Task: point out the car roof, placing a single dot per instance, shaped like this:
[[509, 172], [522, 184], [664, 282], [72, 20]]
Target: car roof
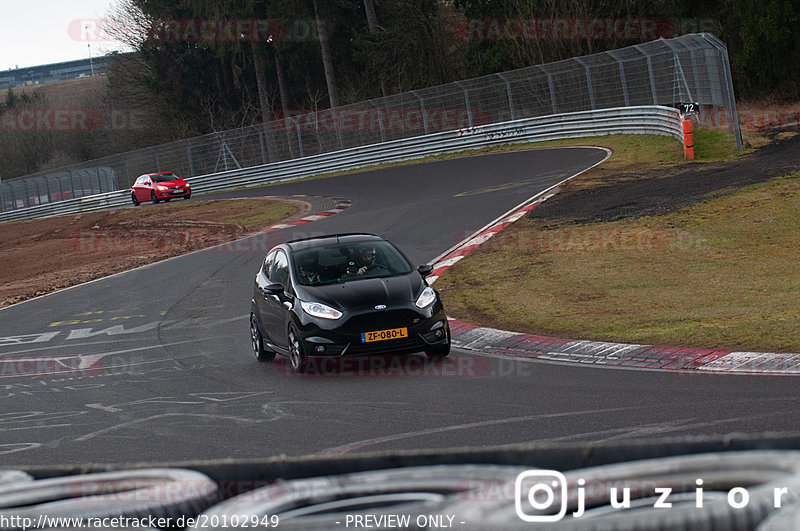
[[332, 239], [158, 173]]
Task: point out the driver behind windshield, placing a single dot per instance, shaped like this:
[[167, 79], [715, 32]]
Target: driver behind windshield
[[364, 259]]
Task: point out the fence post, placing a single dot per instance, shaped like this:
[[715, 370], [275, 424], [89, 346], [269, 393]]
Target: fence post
[[622, 78], [510, 96], [466, 99], [296, 123], [260, 141], [696, 94], [649, 73], [380, 120], [677, 71], [158, 162], [72, 184], [697, 86], [47, 184], [726, 66], [339, 126], [27, 198], [188, 155], [422, 108], [550, 86], [588, 81]]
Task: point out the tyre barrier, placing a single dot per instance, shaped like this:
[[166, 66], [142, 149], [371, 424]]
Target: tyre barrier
[[13, 476], [727, 490], [134, 494], [782, 519], [326, 502], [725, 479]]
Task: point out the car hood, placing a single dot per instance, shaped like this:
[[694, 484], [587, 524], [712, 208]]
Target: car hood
[[172, 184], [369, 292]]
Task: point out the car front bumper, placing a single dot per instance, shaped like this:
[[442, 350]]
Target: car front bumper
[[425, 329], [169, 194]]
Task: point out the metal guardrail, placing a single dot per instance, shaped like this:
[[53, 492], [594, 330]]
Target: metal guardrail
[[59, 186], [692, 68], [623, 120]]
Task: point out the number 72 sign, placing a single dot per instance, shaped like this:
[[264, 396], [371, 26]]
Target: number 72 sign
[[689, 109]]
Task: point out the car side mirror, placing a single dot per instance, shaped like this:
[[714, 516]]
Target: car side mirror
[[425, 270], [274, 288]]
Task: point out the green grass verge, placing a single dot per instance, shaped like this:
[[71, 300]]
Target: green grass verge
[[713, 144], [720, 274]]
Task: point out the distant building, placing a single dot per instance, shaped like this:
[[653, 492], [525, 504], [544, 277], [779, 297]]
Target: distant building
[[36, 75]]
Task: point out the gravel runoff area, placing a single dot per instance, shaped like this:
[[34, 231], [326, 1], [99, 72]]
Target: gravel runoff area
[[660, 192], [44, 255]]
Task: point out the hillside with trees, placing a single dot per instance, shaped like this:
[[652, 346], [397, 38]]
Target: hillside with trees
[[201, 66]]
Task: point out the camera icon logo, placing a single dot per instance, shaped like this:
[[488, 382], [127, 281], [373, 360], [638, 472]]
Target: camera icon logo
[[538, 489]]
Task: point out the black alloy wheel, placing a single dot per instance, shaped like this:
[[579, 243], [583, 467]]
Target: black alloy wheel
[[259, 351], [297, 358]]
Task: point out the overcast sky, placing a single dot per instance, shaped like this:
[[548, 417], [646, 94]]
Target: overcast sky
[[37, 32]]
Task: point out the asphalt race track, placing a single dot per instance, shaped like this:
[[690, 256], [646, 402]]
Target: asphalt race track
[[156, 364]]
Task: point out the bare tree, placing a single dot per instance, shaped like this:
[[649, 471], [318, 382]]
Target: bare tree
[[372, 24], [327, 58]]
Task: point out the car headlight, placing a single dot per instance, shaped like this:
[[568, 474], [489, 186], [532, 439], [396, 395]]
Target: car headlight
[[316, 309], [426, 298], [161, 188]]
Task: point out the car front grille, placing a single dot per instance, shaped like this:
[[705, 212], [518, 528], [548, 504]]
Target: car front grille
[[381, 320], [385, 347]]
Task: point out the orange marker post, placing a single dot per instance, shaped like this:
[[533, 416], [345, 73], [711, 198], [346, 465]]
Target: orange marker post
[[688, 139]]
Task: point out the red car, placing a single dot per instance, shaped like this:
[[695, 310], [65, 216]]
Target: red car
[[157, 187]]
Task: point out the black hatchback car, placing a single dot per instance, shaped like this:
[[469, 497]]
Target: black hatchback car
[[346, 294]]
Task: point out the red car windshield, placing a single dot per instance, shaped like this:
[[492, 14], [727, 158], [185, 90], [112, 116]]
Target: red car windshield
[[166, 177]]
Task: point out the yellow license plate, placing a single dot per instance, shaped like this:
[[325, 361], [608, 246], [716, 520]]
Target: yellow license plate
[[383, 335]]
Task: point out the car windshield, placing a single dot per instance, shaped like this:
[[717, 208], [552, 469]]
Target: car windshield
[[339, 263], [166, 177]]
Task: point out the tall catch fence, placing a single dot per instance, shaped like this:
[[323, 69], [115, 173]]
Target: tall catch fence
[[692, 68]]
